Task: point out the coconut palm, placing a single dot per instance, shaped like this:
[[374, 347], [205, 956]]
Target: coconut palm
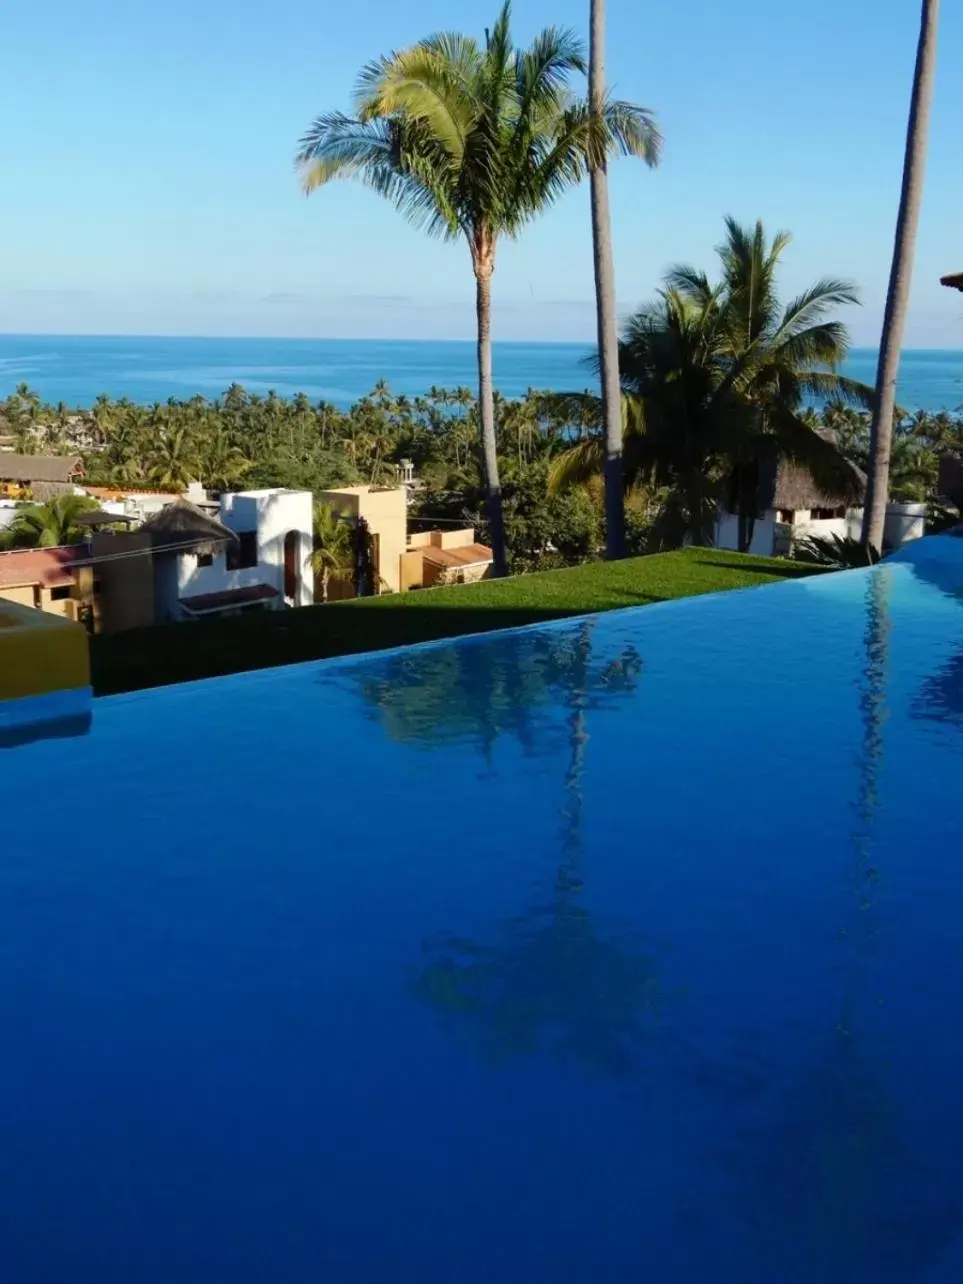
[[474, 141], [51, 524], [333, 555], [901, 275], [173, 461], [222, 464], [715, 378]]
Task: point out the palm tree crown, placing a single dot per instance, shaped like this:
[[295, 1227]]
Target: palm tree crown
[[716, 378], [474, 140]]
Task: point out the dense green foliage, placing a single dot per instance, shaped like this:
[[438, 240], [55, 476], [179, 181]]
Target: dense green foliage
[[48, 525], [715, 379], [245, 439], [209, 648]]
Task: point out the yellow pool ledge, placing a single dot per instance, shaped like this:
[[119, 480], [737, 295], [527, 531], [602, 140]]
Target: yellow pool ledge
[[40, 653], [44, 672]]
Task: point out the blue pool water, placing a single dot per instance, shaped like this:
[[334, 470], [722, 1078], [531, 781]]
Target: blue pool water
[[618, 950]]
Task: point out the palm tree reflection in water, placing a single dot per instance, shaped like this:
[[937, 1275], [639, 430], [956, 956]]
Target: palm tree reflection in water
[[840, 1198], [554, 980]]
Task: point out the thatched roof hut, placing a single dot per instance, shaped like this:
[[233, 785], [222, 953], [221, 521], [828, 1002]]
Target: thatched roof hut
[[183, 523], [790, 486], [47, 476]]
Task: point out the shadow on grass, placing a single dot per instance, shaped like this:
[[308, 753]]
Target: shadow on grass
[[764, 569], [183, 652]]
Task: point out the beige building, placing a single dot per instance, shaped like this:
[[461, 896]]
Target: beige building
[[384, 509], [434, 558], [44, 578]]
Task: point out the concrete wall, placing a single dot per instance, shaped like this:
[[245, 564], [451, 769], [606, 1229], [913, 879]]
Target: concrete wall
[[763, 535], [904, 522], [126, 598], [25, 596], [771, 538], [411, 571], [386, 513]]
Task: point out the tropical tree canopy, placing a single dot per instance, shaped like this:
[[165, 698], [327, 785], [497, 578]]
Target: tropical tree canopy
[[716, 379], [474, 140], [332, 557], [51, 524]]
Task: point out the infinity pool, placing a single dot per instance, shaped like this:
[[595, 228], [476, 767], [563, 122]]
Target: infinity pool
[[629, 949]]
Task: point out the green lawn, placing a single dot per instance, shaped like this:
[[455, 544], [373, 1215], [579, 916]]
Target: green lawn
[[181, 652]]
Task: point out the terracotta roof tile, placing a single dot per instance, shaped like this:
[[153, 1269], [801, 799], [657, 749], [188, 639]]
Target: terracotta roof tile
[[466, 555], [48, 567]]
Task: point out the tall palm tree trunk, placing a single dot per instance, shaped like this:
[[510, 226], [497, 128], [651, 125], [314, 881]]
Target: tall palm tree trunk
[[606, 320], [901, 273], [486, 411]]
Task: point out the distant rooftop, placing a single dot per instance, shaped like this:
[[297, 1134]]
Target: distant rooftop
[[48, 567], [40, 468]]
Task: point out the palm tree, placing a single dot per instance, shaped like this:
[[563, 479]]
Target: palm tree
[[173, 461], [900, 277], [222, 464], [474, 141], [51, 524], [715, 380], [333, 555], [606, 320]]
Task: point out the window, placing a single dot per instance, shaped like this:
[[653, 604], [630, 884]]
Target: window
[[824, 514], [787, 515], [60, 594], [205, 559], [242, 555]]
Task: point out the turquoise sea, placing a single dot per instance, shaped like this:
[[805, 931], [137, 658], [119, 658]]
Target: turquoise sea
[[75, 369]]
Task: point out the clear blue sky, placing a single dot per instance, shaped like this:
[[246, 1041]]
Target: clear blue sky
[[146, 183]]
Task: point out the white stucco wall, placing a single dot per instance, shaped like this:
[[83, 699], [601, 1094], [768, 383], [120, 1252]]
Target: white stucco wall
[[727, 533], [849, 526], [764, 533], [904, 522], [271, 514]]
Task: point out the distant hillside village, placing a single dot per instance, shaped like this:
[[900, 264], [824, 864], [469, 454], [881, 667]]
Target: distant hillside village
[[149, 556]]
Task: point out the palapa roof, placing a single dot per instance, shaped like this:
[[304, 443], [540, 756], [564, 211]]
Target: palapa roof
[[785, 484], [954, 280], [184, 523], [39, 468], [99, 518]]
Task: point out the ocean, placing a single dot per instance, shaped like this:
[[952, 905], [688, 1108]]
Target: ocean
[[76, 369]]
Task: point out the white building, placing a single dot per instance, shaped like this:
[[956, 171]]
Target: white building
[[250, 551], [268, 562], [792, 508]]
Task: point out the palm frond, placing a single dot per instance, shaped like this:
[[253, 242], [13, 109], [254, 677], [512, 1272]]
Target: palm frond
[[576, 466], [421, 84], [631, 130], [812, 305]]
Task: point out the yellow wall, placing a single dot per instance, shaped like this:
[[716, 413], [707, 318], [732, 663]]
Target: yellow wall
[[39, 654], [386, 512], [25, 596], [41, 599]]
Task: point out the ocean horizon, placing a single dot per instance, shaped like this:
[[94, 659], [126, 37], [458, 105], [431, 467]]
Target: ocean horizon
[[76, 369]]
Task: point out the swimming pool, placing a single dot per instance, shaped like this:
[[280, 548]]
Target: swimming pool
[[622, 949]]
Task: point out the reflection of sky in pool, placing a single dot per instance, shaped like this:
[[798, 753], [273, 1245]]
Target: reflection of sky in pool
[[611, 951]]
